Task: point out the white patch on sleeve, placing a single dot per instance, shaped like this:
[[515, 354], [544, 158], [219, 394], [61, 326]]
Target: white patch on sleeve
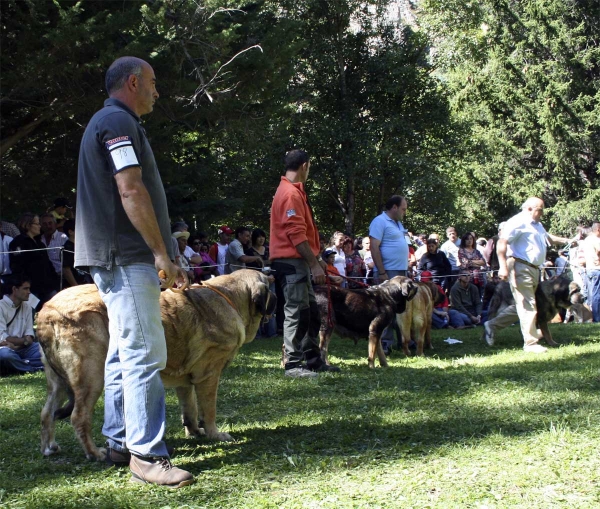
[[290, 213], [122, 152]]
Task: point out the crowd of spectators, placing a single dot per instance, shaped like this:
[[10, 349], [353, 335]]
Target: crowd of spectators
[[41, 249]]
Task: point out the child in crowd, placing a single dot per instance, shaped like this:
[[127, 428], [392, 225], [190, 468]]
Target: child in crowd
[[332, 272]]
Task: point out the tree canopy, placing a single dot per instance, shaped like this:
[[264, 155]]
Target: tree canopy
[[466, 111]]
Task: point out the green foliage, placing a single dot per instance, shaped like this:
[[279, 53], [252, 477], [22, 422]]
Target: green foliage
[[525, 77]]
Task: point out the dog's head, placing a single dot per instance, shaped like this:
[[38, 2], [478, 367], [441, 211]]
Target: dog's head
[[401, 289], [565, 292], [262, 297]]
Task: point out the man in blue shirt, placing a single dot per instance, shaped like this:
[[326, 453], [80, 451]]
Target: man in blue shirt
[[389, 249]]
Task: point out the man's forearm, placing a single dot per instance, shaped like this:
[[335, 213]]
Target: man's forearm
[[558, 240], [139, 210], [305, 252], [377, 259], [68, 274]]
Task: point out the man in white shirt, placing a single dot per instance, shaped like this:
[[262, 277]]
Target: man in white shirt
[[218, 251], [450, 249], [591, 251], [521, 252], [53, 239], [19, 353]]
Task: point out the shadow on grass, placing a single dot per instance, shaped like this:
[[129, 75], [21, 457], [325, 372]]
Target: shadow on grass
[[410, 409]]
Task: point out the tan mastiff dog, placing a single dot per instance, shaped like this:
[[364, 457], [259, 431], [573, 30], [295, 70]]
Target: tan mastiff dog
[[205, 326]]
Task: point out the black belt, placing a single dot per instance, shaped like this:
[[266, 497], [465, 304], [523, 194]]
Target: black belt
[[524, 262]]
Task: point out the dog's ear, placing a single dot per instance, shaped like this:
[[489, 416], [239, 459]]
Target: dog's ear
[[409, 289], [264, 300]]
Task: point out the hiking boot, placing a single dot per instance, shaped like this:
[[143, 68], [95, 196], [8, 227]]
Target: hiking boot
[[535, 348], [488, 335], [300, 372], [120, 459], [158, 471]]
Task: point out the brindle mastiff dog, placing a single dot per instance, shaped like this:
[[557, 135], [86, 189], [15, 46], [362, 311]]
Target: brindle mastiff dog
[[204, 326], [362, 312], [551, 295]]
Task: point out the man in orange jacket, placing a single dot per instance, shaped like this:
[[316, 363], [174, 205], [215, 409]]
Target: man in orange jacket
[[294, 254]]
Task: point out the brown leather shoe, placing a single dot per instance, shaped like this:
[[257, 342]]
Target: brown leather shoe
[[158, 471]]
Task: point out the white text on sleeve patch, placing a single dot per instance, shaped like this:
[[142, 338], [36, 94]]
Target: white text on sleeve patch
[[291, 212], [122, 153]]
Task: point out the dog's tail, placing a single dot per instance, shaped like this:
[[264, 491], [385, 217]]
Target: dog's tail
[[67, 410]]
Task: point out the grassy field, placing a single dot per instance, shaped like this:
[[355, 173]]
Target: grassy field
[[465, 426]]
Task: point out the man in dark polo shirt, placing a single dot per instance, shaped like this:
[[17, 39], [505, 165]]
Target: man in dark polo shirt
[[123, 236]]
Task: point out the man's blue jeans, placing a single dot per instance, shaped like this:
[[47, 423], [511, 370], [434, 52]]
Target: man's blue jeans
[[25, 360], [593, 287], [134, 406]]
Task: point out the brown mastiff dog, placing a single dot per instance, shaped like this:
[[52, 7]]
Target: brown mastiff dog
[[415, 322], [205, 326], [358, 313]]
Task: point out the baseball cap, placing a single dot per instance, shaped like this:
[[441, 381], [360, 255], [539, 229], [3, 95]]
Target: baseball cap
[[329, 252], [62, 202], [426, 276], [225, 229]]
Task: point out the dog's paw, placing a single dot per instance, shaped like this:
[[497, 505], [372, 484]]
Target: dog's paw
[[220, 436], [51, 449], [97, 455], [194, 432]]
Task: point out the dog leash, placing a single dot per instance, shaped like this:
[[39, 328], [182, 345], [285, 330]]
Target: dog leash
[[222, 295], [329, 304]]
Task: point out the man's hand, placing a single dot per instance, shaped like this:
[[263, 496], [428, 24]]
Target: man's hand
[[503, 273], [318, 275], [382, 277], [167, 271], [476, 319], [260, 260]]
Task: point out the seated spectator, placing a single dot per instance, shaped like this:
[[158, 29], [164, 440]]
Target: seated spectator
[[71, 275], [9, 229], [235, 258], [258, 247], [337, 244], [355, 266], [450, 249], [561, 262], [489, 253], [368, 259], [19, 353], [52, 239], [480, 245], [180, 257], [5, 241], [421, 247], [61, 212], [332, 272], [218, 251], [471, 260], [204, 266], [437, 263], [442, 316], [465, 298], [31, 260]]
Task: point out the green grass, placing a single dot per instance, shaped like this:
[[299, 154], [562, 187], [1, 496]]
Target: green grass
[[466, 426]]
